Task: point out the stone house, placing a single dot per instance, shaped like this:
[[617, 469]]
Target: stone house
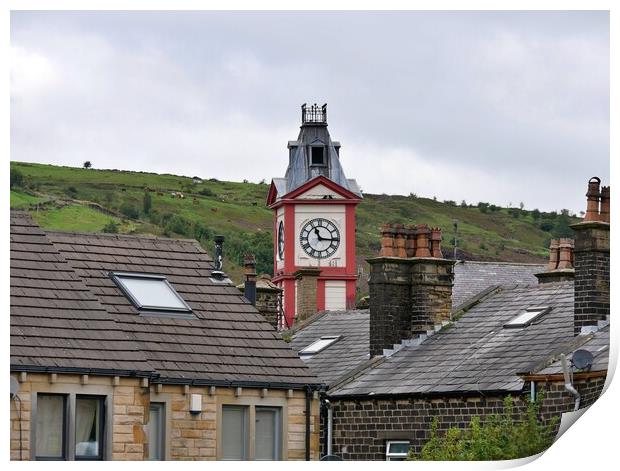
[[132, 348], [427, 360]]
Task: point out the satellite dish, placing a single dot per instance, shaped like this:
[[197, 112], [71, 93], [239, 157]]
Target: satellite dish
[[331, 458], [582, 359], [14, 387]]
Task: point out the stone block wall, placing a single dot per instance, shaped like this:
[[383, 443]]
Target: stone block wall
[[188, 436]]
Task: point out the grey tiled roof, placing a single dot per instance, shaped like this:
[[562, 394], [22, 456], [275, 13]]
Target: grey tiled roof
[[229, 341], [476, 353], [596, 343], [344, 355], [56, 322], [470, 278]]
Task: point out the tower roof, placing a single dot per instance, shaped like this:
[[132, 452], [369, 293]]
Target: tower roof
[[314, 153]]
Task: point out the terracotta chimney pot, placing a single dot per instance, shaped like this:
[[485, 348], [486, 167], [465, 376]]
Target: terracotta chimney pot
[[436, 242], [594, 196], [605, 204], [422, 242], [387, 241], [554, 254], [411, 234], [399, 241], [566, 253]]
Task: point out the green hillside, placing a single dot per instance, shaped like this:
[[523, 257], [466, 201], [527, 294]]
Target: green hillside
[[90, 200]]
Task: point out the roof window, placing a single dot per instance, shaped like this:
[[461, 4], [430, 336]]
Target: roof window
[[319, 345], [527, 317], [151, 293]]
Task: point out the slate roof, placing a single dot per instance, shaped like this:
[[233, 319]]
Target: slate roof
[[471, 278], [228, 342], [596, 343], [344, 355], [56, 321], [476, 353]]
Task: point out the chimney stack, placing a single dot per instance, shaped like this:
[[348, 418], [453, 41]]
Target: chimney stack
[[560, 266], [592, 261], [268, 297], [306, 280], [410, 290], [249, 268]]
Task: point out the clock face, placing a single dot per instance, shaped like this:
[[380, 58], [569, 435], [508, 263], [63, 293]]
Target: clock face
[[281, 241], [320, 238]]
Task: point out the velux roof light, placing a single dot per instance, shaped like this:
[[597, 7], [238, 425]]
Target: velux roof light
[[527, 317], [150, 292], [321, 344]]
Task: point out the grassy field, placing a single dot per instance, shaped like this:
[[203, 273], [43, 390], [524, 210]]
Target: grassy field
[[237, 210]]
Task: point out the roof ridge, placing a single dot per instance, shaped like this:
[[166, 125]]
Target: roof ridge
[[489, 262]]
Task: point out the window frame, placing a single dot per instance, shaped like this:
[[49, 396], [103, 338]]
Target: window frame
[[102, 429], [168, 311], [278, 431], [307, 351], [512, 324], [323, 156], [65, 426], [245, 433], [390, 456], [162, 430]]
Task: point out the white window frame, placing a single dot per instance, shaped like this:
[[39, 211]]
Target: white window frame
[[535, 314], [184, 312], [312, 348], [396, 456]]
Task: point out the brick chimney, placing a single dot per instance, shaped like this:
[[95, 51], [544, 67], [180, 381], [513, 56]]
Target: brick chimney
[[592, 260], [410, 294], [560, 266]]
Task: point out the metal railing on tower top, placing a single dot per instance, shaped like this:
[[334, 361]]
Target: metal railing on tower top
[[314, 114]]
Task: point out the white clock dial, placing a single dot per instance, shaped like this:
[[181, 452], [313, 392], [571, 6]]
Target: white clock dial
[[320, 238]]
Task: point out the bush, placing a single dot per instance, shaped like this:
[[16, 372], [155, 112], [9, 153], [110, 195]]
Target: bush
[[499, 437], [483, 207], [17, 178], [111, 228], [206, 192], [147, 202], [179, 225], [71, 192], [88, 164], [130, 211]]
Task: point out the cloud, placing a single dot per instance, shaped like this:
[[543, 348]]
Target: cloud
[[482, 104]]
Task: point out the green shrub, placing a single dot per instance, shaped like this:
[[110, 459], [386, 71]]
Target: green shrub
[[111, 228], [17, 178], [71, 191], [499, 437], [130, 211], [147, 202]]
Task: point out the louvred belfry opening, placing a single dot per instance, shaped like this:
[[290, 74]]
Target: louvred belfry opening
[[314, 224]]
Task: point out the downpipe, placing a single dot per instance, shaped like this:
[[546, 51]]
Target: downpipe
[[568, 385]]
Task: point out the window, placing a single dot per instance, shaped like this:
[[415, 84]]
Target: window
[[151, 293], [318, 155], [157, 431], [267, 433], [234, 432], [51, 426], [69, 426], [89, 420], [526, 318], [319, 345], [396, 450]]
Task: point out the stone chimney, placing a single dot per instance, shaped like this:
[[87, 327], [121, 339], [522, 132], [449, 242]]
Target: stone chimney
[[560, 266], [307, 281], [268, 297], [592, 260], [410, 294]]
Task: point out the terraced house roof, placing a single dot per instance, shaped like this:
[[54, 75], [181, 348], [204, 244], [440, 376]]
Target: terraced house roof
[[224, 340]]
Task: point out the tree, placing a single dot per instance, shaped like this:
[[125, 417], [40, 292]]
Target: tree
[[147, 202], [499, 437], [87, 164], [17, 178]]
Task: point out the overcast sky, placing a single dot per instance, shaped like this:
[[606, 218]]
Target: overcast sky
[[504, 107]]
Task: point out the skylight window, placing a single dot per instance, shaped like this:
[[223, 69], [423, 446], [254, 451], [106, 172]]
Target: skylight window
[[527, 317], [150, 292], [319, 345]]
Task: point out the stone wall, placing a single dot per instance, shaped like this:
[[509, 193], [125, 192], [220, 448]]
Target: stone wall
[[362, 427], [188, 436]]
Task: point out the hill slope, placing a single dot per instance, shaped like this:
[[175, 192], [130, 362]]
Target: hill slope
[[89, 200]]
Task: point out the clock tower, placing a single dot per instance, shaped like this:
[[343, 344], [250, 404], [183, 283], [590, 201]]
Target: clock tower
[[314, 223]]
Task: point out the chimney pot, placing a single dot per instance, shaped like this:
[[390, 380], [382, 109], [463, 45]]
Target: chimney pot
[[411, 234], [593, 197], [436, 242], [566, 247], [554, 254], [605, 195], [387, 241], [399, 241], [422, 242], [249, 268]]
